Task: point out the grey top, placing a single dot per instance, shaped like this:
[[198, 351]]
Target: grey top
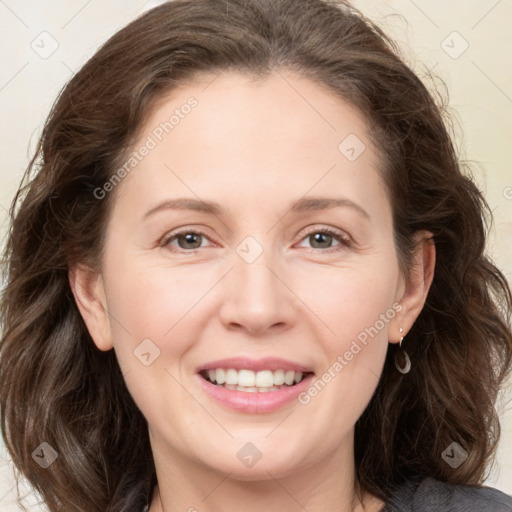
[[435, 496]]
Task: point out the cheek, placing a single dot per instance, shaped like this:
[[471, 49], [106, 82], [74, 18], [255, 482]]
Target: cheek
[[349, 299], [151, 303], [150, 289], [155, 315]]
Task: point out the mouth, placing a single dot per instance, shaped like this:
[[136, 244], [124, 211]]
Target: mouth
[[249, 381], [254, 386]]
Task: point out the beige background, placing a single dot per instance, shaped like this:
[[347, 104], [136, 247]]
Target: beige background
[[479, 80]]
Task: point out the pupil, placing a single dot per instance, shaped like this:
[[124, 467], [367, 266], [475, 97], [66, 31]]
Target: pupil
[[317, 237], [190, 238]]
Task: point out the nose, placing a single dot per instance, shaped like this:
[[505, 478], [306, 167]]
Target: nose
[[257, 298]]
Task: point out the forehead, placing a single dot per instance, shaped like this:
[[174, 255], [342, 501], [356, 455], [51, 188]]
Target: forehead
[[241, 140]]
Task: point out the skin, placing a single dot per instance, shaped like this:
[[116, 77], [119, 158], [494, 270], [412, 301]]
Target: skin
[[255, 148]]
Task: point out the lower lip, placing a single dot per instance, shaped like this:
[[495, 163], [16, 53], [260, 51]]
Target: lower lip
[[254, 403]]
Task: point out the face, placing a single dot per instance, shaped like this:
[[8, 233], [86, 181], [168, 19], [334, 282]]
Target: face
[[290, 256]]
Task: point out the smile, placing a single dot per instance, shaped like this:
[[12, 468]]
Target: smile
[[251, 381], [254, 399]]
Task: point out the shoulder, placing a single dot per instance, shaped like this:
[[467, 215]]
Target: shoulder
[[431, 495]]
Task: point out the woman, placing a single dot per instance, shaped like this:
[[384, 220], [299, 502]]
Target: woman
[[249, 273]]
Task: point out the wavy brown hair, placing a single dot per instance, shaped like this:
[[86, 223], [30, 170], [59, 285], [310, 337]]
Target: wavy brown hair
[[57, 387]]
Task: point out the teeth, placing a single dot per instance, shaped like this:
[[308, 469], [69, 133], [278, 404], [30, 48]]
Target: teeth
[[231, 377], [247, 378], [262, 381], [279, 377], [219, 376]]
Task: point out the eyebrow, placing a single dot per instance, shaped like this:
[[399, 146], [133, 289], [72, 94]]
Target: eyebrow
[[305, 204]]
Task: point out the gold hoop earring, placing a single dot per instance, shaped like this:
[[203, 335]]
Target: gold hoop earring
[[402, 360]]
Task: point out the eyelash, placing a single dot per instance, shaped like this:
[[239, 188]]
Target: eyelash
[[343, 240]]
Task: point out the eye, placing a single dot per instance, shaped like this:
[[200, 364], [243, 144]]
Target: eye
[[186, 240], [323, 239], [190, 240]]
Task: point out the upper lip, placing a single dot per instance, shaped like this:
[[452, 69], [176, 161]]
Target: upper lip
[[245, 363]]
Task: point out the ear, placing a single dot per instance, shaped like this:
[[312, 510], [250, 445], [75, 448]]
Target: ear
[[417, 284], [88, 289]]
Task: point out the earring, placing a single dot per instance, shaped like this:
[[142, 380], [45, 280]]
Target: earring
[[402, 354]]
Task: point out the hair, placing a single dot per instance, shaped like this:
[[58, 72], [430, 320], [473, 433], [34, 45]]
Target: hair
[[57, 387]]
